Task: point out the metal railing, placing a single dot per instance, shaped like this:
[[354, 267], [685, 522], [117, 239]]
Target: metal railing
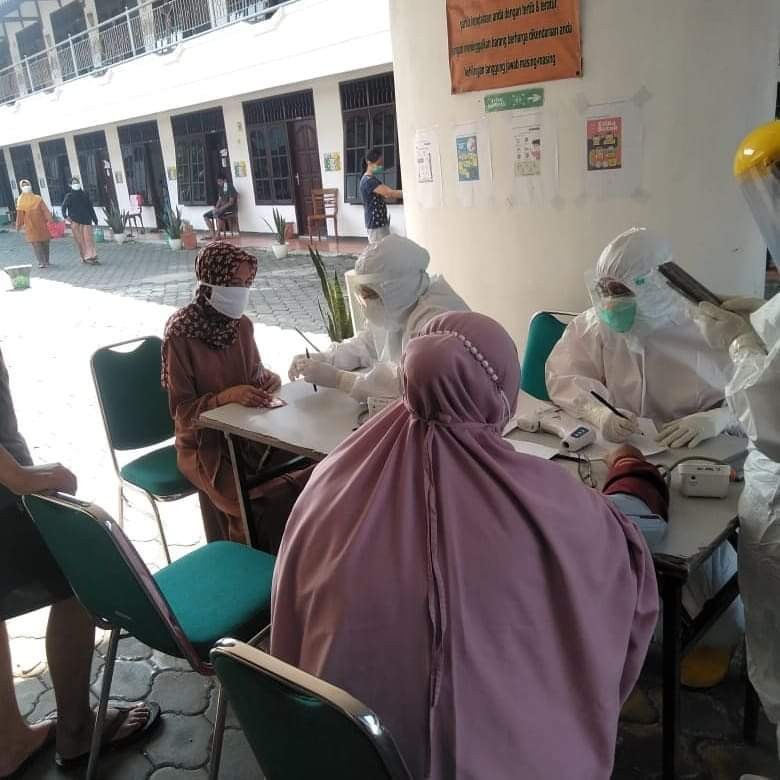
[[151, 26]]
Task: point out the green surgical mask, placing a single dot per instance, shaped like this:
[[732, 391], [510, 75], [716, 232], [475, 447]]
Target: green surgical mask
[[379, 169], [620, 316]]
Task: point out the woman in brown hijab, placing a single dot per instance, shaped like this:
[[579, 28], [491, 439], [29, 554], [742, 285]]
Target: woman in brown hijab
[[33, 217], [210, 359]]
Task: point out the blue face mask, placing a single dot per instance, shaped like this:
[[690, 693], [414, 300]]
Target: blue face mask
[[619, 316]]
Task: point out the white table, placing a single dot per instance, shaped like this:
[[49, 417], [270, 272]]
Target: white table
[[313, 424]]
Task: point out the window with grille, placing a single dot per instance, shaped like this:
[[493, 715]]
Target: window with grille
[[56, 167], [269, 144], [368, 112], [134, 140], [198, 138], [24, 166], [92, 153]]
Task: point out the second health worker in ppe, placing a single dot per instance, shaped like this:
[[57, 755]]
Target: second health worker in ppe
[[398, 298], [639, 348]]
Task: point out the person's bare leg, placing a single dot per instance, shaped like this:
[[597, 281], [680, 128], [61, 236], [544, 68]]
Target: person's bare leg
[[18, 741], [70, 642]]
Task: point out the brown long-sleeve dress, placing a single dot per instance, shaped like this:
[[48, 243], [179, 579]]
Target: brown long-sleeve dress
[[196, 374]]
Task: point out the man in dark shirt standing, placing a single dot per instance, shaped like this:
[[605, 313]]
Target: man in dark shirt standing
[[226, 205], [373, 193]]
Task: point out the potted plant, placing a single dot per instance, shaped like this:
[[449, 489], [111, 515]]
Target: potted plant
[[117, 220], [280, 228], [57, 226], [19, 276], [337, 320], [173, 227]]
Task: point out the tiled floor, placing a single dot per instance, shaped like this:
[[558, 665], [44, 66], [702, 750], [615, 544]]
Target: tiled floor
[[47, 335]]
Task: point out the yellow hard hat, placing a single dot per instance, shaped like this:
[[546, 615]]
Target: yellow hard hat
[[759, 150]]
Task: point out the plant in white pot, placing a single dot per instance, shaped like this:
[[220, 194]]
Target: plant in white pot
[[117, 220], [173, 227], [279, 227]]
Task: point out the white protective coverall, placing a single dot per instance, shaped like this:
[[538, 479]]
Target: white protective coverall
[[662, 368], [396, 269]]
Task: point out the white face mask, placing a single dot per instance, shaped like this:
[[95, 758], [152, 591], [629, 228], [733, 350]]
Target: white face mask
[[75, 186], [26, 188], [230, 301]]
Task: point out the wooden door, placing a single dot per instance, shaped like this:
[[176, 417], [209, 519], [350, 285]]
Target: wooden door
[[306, 174]]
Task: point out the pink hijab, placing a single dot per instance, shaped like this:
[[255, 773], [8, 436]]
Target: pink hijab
[[493, 611]]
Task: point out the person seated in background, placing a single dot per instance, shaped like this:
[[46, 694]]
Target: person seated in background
[[30, 579], [209, 359], [398, 298], [639, 347], [225, 206], [481, 601]]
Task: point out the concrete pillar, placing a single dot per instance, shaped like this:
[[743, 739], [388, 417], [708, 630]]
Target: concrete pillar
[[704, 89]]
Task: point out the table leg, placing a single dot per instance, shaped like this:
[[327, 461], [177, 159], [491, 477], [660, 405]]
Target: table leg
[[671, 594], [241, 489]]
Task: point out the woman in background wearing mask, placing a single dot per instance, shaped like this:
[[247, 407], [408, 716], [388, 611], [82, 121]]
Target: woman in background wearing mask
[[373, 192], [209, 359], [33, 217], [77, 207], [398, 298], [640, 348]]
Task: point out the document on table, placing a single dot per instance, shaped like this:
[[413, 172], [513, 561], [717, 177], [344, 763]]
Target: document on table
[[531, 448], [646, 444]]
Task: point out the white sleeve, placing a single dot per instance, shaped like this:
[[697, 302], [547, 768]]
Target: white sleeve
[[575, 367], [382, 381], [354, 353], [753, 396]]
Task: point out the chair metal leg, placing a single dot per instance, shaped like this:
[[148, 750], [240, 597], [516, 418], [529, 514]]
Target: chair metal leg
[[100, 720], [163, 540], [671, 593], [120, 515], [219, 733]]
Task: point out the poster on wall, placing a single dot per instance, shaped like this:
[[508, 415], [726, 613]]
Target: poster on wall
[[500, 43], [428, 169], [613, 149], [332, 161], [474, 174], [534, 151]]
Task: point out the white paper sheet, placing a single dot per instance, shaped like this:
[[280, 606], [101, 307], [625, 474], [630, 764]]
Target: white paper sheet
[[535, 158], [530, 448], [428, 186], [645, 443]]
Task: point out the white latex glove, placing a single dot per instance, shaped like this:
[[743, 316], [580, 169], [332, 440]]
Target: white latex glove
[[740, 305], [299, 360], [315, 372], [695, 428], [612, 426], [718, 326]]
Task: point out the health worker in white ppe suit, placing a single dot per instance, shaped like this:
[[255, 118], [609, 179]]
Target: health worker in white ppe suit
[[750, 330], [640, 348], [398, 297]]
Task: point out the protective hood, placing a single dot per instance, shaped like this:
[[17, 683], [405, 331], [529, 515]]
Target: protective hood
[[395, 268], [633, 258]]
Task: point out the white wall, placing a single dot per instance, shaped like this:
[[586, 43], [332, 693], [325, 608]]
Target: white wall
[[707, 87]]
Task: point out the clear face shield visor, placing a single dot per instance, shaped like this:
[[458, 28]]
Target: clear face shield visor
[[761, 188], [614, 302]]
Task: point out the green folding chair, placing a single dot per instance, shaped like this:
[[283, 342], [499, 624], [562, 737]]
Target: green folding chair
[[221, 589], [300, 727], [135, 413], [544, 331]]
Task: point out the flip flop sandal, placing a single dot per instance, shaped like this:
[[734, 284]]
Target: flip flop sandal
[[109, 743], [18, 773]]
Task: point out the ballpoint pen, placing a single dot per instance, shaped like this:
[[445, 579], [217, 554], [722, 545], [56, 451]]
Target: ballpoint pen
[[612, 408], [308, 357]]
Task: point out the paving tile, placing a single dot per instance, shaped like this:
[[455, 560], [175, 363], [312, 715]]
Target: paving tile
[[183, 741], [238, 761], [185, 693], [172, 773], [28, 691], [132, 681]]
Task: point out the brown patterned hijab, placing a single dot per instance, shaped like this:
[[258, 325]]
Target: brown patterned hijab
[[218, 265]]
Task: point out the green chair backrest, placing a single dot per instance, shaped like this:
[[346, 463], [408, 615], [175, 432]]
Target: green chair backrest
[[103, 569], [134, 403], [300, 727], [544, 331]]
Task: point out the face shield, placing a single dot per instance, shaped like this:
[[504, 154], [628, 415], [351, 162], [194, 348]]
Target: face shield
[[761, 188], [614, 303]]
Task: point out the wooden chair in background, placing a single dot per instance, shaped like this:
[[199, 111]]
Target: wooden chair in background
[[325, 206], [136, 215]]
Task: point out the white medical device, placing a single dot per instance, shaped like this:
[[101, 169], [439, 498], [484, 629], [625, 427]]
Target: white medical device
[[704, 480], [377, 403], [578, 439]]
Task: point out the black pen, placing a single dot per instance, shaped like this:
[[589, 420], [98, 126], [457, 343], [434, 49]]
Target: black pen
[[308, 357], [609, 406]]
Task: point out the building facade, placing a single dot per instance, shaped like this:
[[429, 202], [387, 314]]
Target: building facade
[[152, 102]]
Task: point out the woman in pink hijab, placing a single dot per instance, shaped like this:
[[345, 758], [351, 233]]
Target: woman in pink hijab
[[493, 611]]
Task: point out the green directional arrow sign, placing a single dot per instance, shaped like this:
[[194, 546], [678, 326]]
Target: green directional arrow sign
[[520, 98]]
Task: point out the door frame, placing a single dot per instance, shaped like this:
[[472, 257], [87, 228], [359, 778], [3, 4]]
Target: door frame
[[300, 215]]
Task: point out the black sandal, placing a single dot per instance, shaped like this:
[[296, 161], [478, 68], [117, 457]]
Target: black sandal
[[108, 742]]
